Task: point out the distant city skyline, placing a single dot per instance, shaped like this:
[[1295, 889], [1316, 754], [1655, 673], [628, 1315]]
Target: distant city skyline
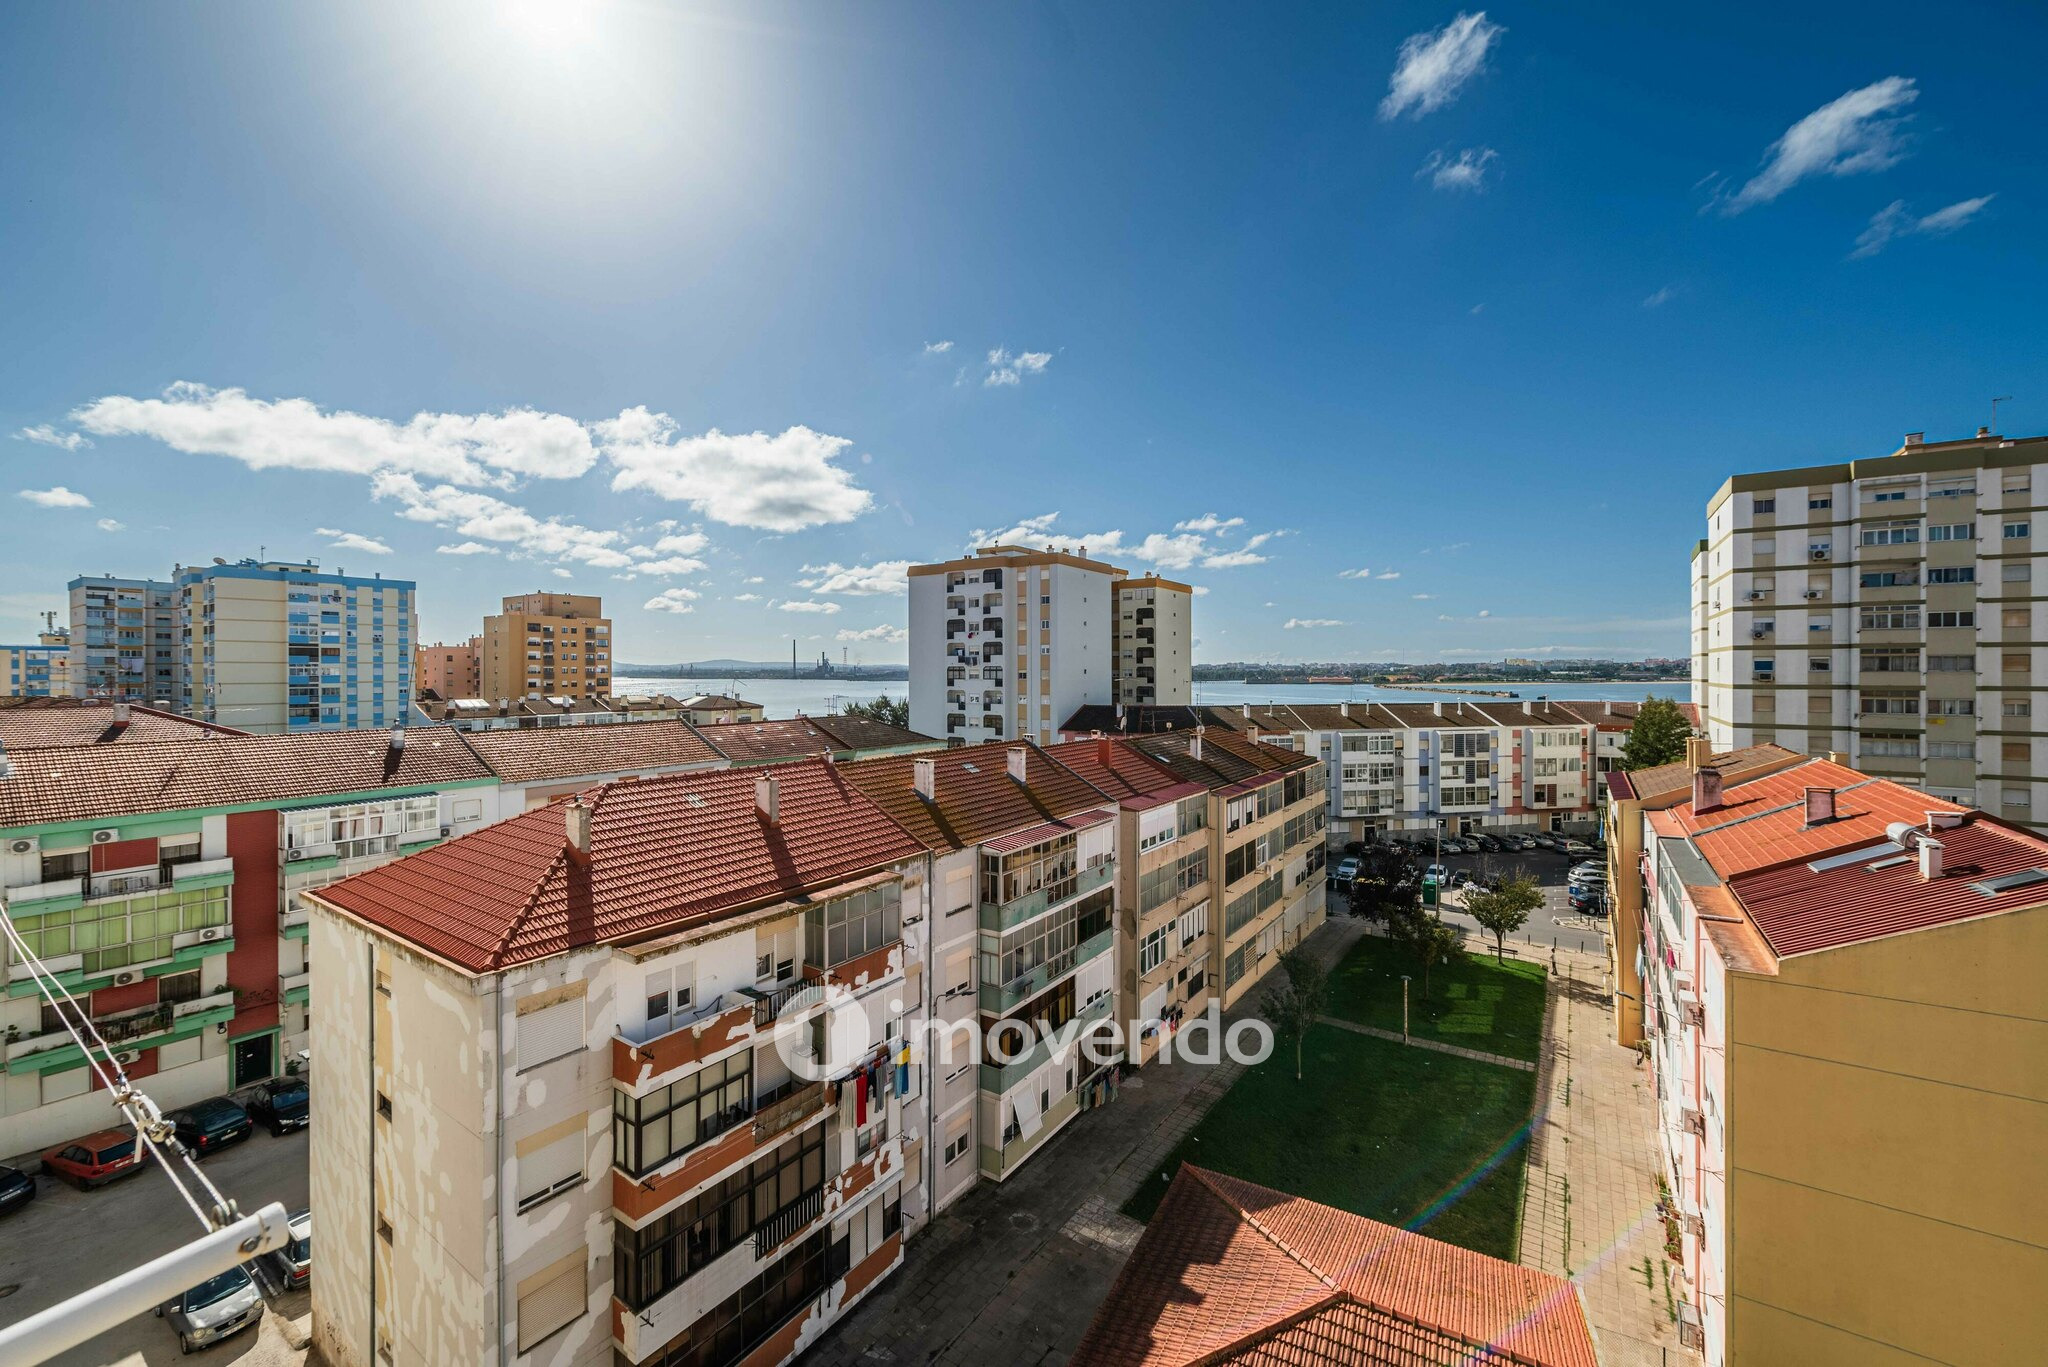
[[1400, 333]]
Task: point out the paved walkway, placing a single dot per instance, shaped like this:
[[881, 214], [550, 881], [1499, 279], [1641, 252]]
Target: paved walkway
[[1416, 1041], [1012, 1273], [1589, 1211]]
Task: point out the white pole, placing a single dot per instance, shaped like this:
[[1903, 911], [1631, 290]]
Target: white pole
[[84, 1317]]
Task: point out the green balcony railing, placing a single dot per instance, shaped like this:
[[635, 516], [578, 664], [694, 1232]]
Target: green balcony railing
[[1001, 916], [1000, 997]]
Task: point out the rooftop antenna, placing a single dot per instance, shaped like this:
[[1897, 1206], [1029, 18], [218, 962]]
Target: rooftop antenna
[[2002, 398]]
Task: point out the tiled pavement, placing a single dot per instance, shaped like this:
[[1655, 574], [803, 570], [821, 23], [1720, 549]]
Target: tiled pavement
[[1589, 1211]]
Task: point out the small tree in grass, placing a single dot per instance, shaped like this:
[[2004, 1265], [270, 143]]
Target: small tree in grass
[[1294, 1008], [1387, 880], [1658, 736], [1505, 909], [1427, 936]]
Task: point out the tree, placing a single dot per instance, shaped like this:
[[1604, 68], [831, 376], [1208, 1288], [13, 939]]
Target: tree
[[1658, 736], [887, 710], [1427, 936], [1388, 878], [1297, 1006], [1503, 910]]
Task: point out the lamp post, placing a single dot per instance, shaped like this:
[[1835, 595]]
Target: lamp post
[[1404, 1008]]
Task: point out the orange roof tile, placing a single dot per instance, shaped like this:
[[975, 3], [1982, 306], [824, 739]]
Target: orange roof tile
[[557, 752], [1232, 1272], [975, 799], [1119, 770], [53, 723]]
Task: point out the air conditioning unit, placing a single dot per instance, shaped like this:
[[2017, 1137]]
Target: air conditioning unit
[[1691, 1333], [291, 855], [128, 1056], [1696, 1225], [1695, 1013], [447, 831], [1820, 555], [1758, 634], [105, 837], [25, 845], [1693, 1122], [1756, 595], [1815, 593], [123, 979], [210, 933]]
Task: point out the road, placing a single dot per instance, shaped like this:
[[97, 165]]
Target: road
[[1557, 922], [66, 1240]]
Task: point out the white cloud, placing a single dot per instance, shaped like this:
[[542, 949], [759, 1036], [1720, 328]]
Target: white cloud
[[1434, 66], [1659, 297], [672, 600], [1895, 220], [887, 634], [1388, 574], [801, 605], [1028, 532], [681, 543], [46, 435], [295, 434], [1007, 369], [1476, 310], [561, 573], [1230, 560], [1263, 537], [1176, 551], [780, 483], [1855, 134], [1465, 171], [1422, 597], [882, 577], [937, 348], [58, 497], [353, 541], [108, 524], [1202, 591], [1360, 573], [679, 564], [1208, 522], [746, 598], [753, 579], [484, 518], [1296, 623], [467, 548]]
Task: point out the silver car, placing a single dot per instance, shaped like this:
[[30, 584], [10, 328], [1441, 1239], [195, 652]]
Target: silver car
[[214, 1309]]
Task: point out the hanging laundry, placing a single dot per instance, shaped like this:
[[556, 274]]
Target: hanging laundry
[[860, 1098], [903, 1072]]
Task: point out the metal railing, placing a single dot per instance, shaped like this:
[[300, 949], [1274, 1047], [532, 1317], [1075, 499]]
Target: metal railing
[[787, 1109]]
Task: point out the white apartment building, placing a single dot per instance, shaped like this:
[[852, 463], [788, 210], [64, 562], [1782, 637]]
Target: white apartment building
[[642, 1098], [287, 646], [1154, 642], [124, 640], [1886, 610], [1006, 643]]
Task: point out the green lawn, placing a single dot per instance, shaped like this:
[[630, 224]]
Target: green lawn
[[1412, 1137], [1475, 1003]]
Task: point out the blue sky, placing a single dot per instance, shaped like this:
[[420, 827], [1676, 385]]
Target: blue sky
[[671, 304]]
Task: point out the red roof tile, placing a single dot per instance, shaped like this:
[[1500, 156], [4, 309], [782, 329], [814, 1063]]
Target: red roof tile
[[1035, 835], [53, 723], [665, 852], [975, 799], [1232, 1272], [1120, 770], [558, 752], [1763, 821]]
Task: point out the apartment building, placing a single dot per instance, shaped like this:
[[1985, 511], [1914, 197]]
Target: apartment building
[[162, 882], [42, 670], [1154, 631], [512, 714], [449, 671], [639, 1097], [1022, 870], [720, 709], [269, 646], [1886, 609], [547, 645], [1846, 1025], [1007, 643], [124, 638]]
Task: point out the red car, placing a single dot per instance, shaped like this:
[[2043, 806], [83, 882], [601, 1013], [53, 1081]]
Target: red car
[[95, 1159]]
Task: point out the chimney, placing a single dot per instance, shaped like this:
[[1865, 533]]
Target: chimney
[[577, 815], [1838, 757], [1930, 858], [1105, 750], [122, 712], [1820, 806], [398, 737], [1706, 791], [1195, 745], [1698, 750], [1437, 707], [1016, 758], [1247, 711], [1607, 709], [1944, 821], [1915, 438], [924, 777], [768, 798], [1344, 709], [1982, 433]]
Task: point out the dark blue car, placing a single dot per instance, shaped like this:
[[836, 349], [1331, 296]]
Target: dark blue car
[[281, 1105], [17, 1189]]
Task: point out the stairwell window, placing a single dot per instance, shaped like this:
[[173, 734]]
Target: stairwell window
[[1951, 749], [2017, 573], [1952, 531], [1890, 745], [1764, 505], [1952, 619], [2015, 531], [1891, 534], [1954, 574], [1954, 664]]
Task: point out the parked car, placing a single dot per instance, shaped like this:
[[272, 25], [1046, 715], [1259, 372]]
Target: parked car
[[214, 1309], [282, 1104], [211, 1125], [1577, 849], [293, 1263], [1462, 879], [17, 1189], [1525, 843], [1591, 901], [1588, 866], [93, 1160], [1486, 843], [1437, 873]]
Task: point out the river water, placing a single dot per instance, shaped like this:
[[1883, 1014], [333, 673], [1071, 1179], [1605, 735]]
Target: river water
[[810, 696]]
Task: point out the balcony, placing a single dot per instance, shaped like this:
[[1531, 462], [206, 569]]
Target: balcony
[[769, 1006], [789, 1110], [1001, 1077], [141, 1029], [1004, 915], [1022, 988]]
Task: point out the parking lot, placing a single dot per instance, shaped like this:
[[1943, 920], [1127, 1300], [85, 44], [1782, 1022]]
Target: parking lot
[[1555, 924], [67, 1240]]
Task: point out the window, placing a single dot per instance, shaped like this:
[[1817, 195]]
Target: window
[[557, 1300], [1817, 504], [124, 931], [1765, 668], [1895, 704], [550, 1033], [1152, 950], [383, 1106], [2015, 531], [2015, 617], [1952, 619], [2017, 709], [551, 1170], [1951, 749], [1764, 505], [1886, 579], [1891, 534], [1891, 661], [957, 1143], [1764, 545], [1892, 495], [1234, 966], [1955, 574], [2016, 752], [1890, 745], [2016, 573], [1952, 488], [648, 1131], [1889, 619], [1193, 924], [1819, 550], [849, 927], [2015, 662], [1819, 664], [1951, 707], [1951, 531], [1955, 664], [2017, 797]]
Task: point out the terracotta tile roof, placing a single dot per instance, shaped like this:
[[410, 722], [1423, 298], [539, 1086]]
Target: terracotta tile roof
[[665, 853], [54, 723], [865, 733], [753, 742], [975, 797], [1133, 721], [1763, 821], [1799, 911], [1119, 770], [1230, 1272], [1226, 758], [1034, 835], [90, 782], [558, 752], [1671, 778]]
